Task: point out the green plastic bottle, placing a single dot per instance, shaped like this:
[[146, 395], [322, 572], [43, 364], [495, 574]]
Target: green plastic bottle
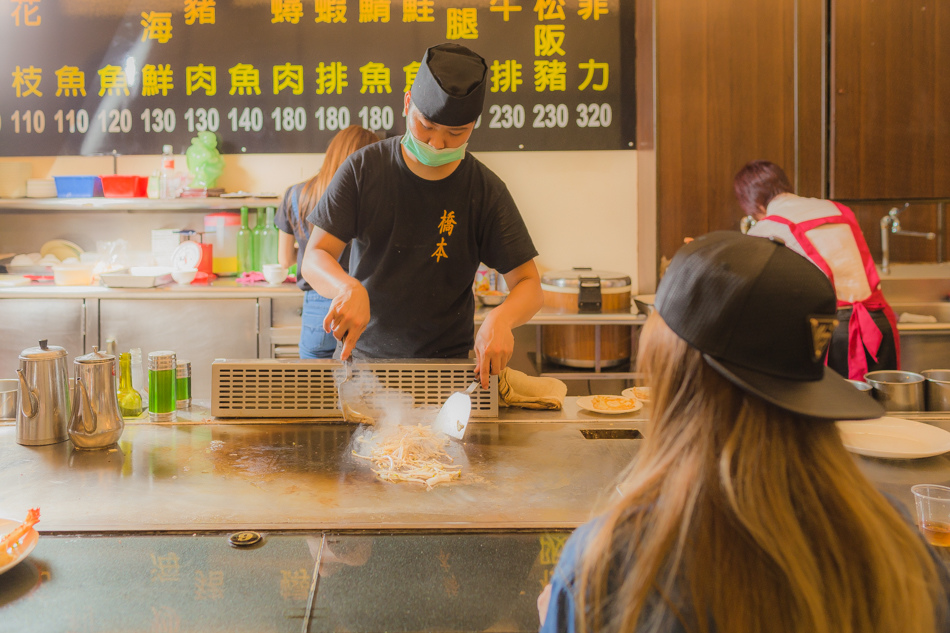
[[256, 242], [269, 239], [244, 244]]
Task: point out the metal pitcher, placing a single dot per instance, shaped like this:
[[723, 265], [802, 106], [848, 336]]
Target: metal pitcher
[[95, 421], [42, 395]]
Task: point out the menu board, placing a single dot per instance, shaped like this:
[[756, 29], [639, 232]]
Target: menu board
[[87, 77]]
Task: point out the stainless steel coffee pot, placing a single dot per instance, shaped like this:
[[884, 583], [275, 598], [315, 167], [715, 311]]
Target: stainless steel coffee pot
[[95, 421], [43, 395]]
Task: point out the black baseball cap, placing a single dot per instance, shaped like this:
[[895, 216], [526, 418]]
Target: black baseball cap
[[762, 316], [449, 88]]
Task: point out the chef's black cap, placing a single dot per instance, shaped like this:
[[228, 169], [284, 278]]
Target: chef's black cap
[[449, 88], [762, 315]]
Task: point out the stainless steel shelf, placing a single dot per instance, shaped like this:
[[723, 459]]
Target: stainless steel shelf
[[130, 205]]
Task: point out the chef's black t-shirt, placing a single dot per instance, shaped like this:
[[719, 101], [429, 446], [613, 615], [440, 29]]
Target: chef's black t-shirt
[[416, 246]]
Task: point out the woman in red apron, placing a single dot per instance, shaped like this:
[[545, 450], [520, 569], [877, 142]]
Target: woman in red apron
[[828, 234]]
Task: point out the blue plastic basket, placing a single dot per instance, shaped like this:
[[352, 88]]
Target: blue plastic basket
[[78, 186]]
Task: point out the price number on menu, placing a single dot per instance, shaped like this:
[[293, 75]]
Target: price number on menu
[[332, 118], [202, 120], [376, 118], [158, 120], [247, 119], [289, 119], [33, 121], [550, 116]]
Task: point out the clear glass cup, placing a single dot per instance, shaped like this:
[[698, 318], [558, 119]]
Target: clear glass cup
[[933, 513]]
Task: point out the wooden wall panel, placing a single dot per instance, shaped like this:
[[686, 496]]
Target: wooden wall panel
[[726, 94], [890, 99]]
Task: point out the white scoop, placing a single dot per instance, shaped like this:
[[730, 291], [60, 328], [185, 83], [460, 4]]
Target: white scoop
[[454, 414]]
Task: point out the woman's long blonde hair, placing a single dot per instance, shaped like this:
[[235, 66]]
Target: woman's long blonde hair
[[345, 142], [739, 517]]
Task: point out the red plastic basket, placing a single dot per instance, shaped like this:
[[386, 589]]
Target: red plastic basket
[[124, 186]]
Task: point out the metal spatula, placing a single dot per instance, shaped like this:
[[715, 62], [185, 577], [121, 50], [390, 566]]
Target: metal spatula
[[349, 413], [454, 414]]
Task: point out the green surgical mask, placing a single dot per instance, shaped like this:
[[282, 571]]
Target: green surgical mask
[[428, 155]]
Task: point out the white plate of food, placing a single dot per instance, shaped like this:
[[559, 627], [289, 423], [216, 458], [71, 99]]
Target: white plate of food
[[609, 404], [639, 393], [14, 548], [893, 438]]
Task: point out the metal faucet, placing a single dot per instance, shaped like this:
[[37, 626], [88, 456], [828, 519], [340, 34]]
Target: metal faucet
[[890, 223]]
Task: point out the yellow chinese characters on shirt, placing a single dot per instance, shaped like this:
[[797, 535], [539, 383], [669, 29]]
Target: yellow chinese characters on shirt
[[446, 225]]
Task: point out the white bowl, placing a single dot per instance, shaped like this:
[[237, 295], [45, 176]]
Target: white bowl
[[274, 274], [73, 274], [185, 276]]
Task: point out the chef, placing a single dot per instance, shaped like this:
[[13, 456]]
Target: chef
[[421, 214], [828, 234]]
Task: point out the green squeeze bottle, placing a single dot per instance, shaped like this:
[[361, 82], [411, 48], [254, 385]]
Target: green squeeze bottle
[[269, 239], [256, 242], [244, 244]]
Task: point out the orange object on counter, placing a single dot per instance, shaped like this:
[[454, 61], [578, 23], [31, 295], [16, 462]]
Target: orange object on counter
[[122, 186]]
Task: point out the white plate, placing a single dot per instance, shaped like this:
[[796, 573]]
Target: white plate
[[586, 402], [61, 249], [631, 393], [893, 438], [21, 552]]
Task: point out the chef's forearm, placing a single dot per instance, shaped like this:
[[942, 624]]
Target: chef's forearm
[[524, 297], [324, 273]]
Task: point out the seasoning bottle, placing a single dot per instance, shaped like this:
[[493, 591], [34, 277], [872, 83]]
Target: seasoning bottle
[[130, 402], [268, 238], [256, 241], [244, 244], [161, 386], [183, 384], [139, 375]]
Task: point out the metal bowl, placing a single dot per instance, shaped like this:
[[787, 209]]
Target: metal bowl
[[490, 300]]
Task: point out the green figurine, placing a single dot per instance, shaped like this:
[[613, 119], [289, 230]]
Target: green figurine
[[204, 160]]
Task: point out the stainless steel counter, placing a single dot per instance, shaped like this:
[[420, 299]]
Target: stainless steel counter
[[526, 470]]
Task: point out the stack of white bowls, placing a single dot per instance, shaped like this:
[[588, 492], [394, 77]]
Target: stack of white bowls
[[13, 177], [40, 188]]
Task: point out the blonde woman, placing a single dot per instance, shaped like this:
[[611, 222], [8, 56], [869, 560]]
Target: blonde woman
[[295, 232], [742, 512]]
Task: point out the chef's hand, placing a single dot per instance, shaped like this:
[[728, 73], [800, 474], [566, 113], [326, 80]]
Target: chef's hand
[[494, 346], [347, 317], [543, 600]]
